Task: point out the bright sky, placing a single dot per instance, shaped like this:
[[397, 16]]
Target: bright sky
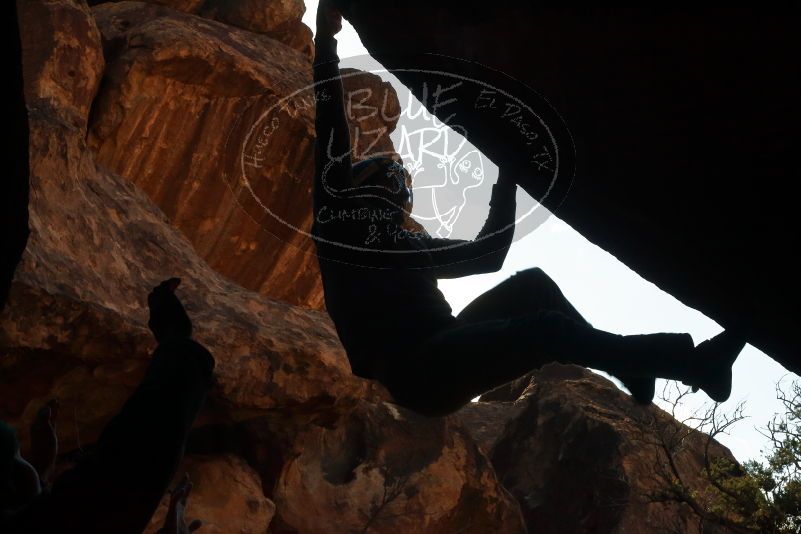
[[614, 298]]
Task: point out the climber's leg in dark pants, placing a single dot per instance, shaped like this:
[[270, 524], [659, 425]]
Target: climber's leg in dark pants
[[519, 295], [531, 290], [461, 362]]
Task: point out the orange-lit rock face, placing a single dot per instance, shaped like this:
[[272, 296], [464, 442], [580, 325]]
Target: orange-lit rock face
[[278, 19], [76, 321], [226, 496], [187, 111]]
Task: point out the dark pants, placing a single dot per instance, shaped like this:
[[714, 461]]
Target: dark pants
[[512, 329], [119, 486]]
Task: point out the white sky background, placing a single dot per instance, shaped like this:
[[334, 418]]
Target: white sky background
[[614, 298]]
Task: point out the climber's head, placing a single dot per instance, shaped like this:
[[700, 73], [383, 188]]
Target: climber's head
[[384, 183], [19, 481]]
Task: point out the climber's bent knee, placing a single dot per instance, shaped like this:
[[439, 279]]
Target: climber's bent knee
[[532, 277]]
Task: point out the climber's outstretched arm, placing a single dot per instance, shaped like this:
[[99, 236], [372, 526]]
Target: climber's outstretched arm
[[454, 258], [332, 152]]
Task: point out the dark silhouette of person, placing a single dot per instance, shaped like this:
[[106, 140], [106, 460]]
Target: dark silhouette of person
[[380, 284], [116, 487]]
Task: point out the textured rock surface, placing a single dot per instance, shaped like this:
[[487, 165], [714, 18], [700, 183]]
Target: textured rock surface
[[580, 456], [442, 487], [216, 125], [684, 163], [226, 494], [98, 244], [278, 19], [75, 328]]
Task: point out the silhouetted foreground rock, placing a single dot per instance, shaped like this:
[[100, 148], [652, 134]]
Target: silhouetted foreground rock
[[181, 112], [75, 328], [581, 457], [686, 123]]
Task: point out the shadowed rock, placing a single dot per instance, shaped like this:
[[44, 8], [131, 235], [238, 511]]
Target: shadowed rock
[[581, 457]]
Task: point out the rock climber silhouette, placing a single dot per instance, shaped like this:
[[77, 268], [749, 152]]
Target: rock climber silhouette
[[380, 284]]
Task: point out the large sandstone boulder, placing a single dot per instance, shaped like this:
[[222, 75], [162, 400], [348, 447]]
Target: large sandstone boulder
[[98, 245], [75, 328], [581, 457], [216, 125], [442, 487], [686, 124]]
